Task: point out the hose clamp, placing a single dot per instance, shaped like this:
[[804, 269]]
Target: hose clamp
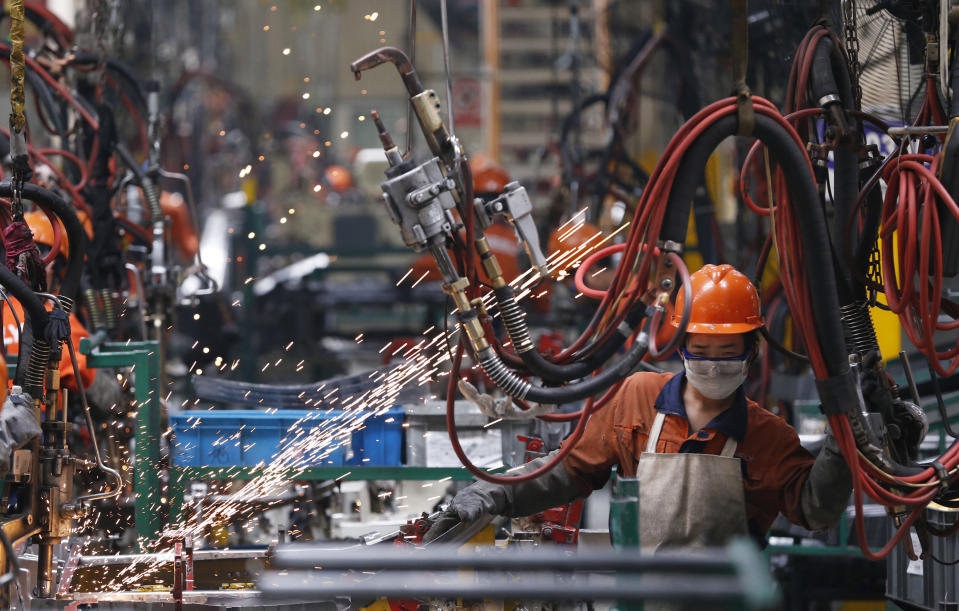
[[671, 246], [829, 98], [942, 473]]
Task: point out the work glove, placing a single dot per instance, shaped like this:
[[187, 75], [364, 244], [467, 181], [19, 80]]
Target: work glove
[[18, 425], [825, 494], [104, 394], [548, 490]]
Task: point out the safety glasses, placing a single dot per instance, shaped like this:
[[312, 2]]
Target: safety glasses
[[722, 366], [693, 357]]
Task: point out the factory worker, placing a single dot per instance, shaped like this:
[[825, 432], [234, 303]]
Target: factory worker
[[711, 463]]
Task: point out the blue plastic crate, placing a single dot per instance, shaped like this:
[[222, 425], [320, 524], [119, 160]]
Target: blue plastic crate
[[381, 440], [246, 438]]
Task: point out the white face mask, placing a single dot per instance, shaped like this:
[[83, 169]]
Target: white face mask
[[716, 379]]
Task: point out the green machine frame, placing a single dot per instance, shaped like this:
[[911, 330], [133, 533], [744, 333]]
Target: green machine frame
[[144, 360]]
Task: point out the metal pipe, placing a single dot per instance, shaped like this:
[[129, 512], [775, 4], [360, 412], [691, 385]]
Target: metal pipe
[[447, 557], [918, 130], [93, 436], [411, 584], [45, 570], [910, 380]]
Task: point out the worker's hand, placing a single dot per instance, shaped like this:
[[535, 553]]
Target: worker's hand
[[468, 505], [105, 395], [446, 520], [825, 494], [478, 499]]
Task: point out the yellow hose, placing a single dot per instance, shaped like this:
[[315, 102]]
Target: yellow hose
[[17, 66]]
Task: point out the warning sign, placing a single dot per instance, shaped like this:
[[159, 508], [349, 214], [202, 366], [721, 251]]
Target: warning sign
[[468, 102]]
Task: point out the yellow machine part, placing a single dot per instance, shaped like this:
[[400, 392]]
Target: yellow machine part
[[487, 536], [888, 328]]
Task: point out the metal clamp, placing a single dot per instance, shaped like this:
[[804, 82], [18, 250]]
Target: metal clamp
[[516, 206]]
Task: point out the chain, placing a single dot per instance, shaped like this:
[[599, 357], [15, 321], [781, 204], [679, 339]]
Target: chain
[[874, 272], [852, 48]]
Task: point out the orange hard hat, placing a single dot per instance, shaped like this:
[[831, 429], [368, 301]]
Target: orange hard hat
[[568, 238], [42, 231], [489, 177], [338, 178], [724, 302]]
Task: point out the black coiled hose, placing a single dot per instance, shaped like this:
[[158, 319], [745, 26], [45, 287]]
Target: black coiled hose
[[34, 330], [512, 317], [802, 191], [831, 86], [515, 386]]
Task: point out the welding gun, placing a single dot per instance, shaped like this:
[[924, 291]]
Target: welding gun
[[420, 197]]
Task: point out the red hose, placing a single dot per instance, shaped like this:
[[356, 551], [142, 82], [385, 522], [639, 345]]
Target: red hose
[[496, 479], [579, 278], [909, 237]]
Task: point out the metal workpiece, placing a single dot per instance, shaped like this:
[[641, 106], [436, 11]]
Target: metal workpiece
[[203, 555], [211, 568], [516, 206]]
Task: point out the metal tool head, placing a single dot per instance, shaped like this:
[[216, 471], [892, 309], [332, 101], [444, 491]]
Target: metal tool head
[[394, 56]]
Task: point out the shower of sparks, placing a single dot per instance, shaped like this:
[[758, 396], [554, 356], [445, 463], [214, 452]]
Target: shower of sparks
[[314, 438], [405, 276], [421, 278]]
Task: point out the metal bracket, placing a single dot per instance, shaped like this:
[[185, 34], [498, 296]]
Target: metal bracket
[[516, 206]]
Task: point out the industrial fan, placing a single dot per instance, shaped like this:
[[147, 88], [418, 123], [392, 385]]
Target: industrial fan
[[894, 37]]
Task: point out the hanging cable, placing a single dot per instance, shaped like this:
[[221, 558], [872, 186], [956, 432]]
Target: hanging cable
[[411, 45], [446, 64]]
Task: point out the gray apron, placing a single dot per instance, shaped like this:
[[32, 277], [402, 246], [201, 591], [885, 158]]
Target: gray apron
[[689, 500]]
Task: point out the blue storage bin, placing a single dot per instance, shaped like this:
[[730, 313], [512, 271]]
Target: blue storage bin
[[381, 440], [247, 438]]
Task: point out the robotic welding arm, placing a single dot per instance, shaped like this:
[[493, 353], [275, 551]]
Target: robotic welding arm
[[420, 198]]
